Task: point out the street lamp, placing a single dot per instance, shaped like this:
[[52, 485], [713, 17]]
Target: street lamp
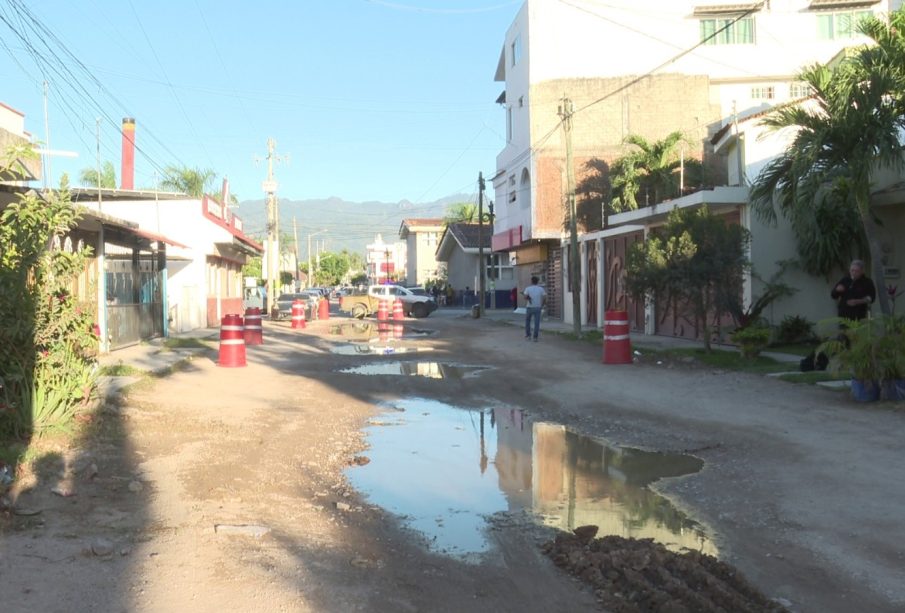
[[387, 276], [310, 272]]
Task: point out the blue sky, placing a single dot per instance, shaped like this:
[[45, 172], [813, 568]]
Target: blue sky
[[371, 99]]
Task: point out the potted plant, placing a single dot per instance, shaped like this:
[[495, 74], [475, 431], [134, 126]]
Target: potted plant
[[873, 350], [751, 340], [891, 358]]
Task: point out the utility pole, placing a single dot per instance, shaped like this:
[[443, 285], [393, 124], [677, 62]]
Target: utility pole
[[272, 246], [483, 268], [47, 179], [565, 113], [295, 236], [97, 155]]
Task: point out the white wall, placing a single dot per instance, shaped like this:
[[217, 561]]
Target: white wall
[[583, 39], [181, 221]]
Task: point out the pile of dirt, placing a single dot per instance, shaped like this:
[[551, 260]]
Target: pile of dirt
[[630, 575]]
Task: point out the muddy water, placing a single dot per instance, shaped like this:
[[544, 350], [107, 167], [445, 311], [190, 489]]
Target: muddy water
[[429, 370], [447, 470], [376, 348], [365, 331]]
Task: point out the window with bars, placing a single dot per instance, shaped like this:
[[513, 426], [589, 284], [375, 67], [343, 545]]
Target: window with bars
[[800, 90], [728, 31], [763, 92]]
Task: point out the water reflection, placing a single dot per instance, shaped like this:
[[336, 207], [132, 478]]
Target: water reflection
[[366, 331], [376, 349], [446, 469], [429, 370]]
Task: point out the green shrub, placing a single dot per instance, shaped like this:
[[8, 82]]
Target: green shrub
[[794, 329], [751, 340], [47, 363]]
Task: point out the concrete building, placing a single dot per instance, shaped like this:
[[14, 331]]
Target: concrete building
[[204, 263], [460, 249], [385, 261], [421, 238], [647, 69], [13, 134]]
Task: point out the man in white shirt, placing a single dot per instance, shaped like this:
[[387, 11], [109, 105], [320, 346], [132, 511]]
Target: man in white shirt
[[535, 297]]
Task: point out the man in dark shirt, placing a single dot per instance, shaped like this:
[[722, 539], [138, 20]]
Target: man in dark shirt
[[854, 293]]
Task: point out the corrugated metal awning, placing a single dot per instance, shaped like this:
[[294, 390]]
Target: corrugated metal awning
[[840, 4], [725, 9]]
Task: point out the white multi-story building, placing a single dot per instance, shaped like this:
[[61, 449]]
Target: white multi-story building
[[646, 68], [421, 238], [385, 261]]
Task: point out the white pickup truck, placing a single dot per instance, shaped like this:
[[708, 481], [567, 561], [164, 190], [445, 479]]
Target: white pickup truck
[[362, 305]]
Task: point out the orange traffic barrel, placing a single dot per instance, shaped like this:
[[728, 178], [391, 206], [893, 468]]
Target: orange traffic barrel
[[398, 331], [298, 314], [382, 310], [398, 314], [617, 348], [323, 309], [232, 341], [254, 331]]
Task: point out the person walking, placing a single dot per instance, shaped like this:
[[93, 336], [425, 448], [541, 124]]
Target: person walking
[[855, 293], [536, 298]]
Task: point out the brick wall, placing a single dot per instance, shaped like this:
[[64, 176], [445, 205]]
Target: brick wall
[[652, 108]]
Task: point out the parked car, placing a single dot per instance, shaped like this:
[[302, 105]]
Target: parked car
[[362, 305], [283, 308]]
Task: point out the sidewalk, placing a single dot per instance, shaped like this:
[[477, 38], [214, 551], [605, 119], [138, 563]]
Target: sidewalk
[[638, 340], [151, 356]]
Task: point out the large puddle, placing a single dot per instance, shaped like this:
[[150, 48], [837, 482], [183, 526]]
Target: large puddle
[[429, 370], [446, 471], [376, 349], [366, 331]]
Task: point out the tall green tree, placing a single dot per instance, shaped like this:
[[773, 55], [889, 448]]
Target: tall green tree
[[695, 265], [192, 181], [106, 180], [848, 131]]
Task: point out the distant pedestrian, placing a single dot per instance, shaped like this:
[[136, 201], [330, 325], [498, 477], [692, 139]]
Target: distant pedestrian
[[450, 295], [513, 297], [536, 298]]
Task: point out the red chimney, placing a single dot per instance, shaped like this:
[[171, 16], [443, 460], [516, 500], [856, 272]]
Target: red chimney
[[127, 174]]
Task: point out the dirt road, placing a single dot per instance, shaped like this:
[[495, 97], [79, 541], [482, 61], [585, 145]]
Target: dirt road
[[227, 489]]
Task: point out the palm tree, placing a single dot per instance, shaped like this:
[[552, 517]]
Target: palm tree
[[89, 176], [849, 131], [652, 166], [185, 180], [462, 212]]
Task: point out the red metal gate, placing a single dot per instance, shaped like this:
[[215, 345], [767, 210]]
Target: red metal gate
[[616, 298], [591, 291]]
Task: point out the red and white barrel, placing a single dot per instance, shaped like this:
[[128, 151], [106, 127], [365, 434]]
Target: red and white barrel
[[398, 314], [383, 332], [298, 314], [323, 309], [382, 310], [617, 348], [232, 342], [254, 331]]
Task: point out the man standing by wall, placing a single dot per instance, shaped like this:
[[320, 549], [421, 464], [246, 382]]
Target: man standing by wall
[[854, 293], [536, 298]]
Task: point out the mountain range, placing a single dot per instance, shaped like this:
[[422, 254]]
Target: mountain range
[[348, 225]]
